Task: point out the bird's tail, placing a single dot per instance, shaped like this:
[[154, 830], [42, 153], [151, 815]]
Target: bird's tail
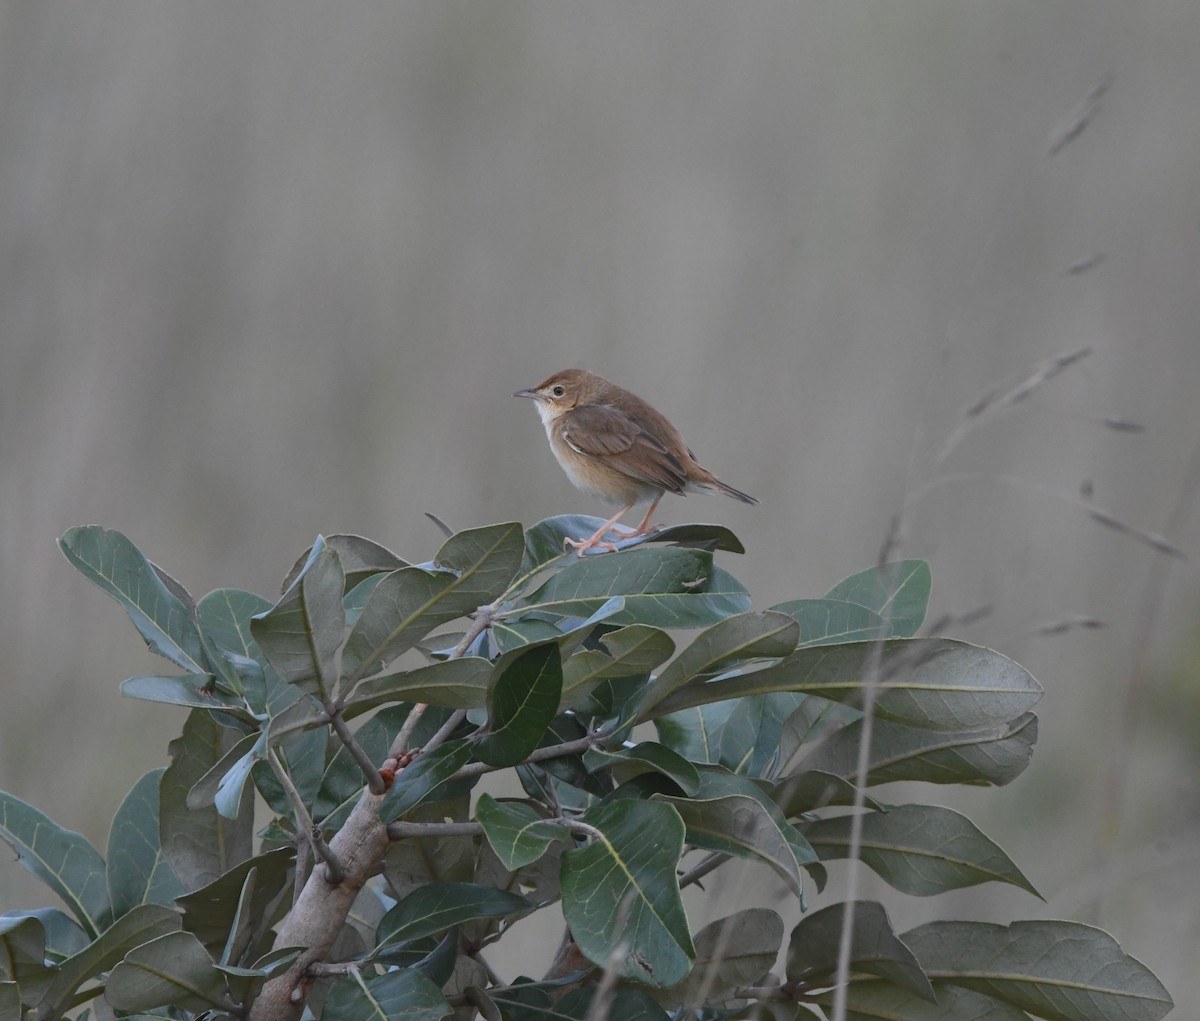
[[715, 485]]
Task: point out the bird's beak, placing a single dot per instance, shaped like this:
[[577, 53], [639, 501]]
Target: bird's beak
[[526, 393]]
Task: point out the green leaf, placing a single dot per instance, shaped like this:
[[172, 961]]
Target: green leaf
[[64, 937], [224, 617], [62, 859], [136, 870], [731, 814], [145, 922], [750, 736], [736, 639], [834, 621], [397, 996], [222, 786], [646, 756], [662, 588], [876, 1000], [198, 843], [621, 891], [996, 755], [516, 832], [874, 949], [473, 568], [452, 683], [209, 912], [300, 634], [523, 700], [173, 969], [544, 541], [433, 909], [810, 791], [108, 559], [940, 684], [23, 956], [898, 592], [1061, 971], [695, 733], [194, 690], [633, 650], [418, 781], [361, 558], [920, 849], [731, 953]]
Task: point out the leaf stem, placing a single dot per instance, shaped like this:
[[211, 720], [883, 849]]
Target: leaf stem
[[334, 872]]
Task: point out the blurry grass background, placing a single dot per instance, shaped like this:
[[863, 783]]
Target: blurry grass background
[[273, 269]]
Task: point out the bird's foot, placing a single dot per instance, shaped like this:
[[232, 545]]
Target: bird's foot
[[581, 546]]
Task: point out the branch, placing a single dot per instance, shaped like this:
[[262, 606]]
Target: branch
[[552, 751]]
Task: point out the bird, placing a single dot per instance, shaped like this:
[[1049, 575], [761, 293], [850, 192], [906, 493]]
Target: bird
[[614, 445]]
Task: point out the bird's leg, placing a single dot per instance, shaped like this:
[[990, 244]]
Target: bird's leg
[[645, 527], [597, 540]]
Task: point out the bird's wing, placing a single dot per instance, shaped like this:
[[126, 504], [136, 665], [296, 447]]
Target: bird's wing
[[609, 435]]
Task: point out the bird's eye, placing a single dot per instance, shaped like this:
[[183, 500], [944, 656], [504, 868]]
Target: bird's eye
[[558, 391]]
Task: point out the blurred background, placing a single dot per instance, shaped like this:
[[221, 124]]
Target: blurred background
[[269, 270]]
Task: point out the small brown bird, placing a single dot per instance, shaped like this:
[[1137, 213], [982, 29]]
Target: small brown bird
[[612, 444]]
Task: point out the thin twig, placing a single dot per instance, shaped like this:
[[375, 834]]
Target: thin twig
[[404, 830], [375, 782], [334, 872], [702, 868]]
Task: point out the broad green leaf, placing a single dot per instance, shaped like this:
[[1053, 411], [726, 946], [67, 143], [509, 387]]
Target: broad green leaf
[[815, 720], [523, 700], [810, 791], [108, 559], [731, 814], [627, 1005], [419, 780], [876, 1000], [898, 592], [62, 859], [1061, 971], [301, 633], [544, 541], [433, 909], [304, 757], [10, 1000], [621, 891], [631, 651], [833, 621], [473, 568], [996, 755], [516, 832], [144, 923], [644, 757], [246, 983], [361, 558], [939, 684], [662, 588], [569, 632], [731, 953], [743, 637], [193, 690], [224, 618], [173, 969], [23, 957], [874, 949], [452, 683], [209, 912], [750, 736], [198, 843], [920, 849], [136, 870], [405, 995], [695, 733], [222, 786]]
